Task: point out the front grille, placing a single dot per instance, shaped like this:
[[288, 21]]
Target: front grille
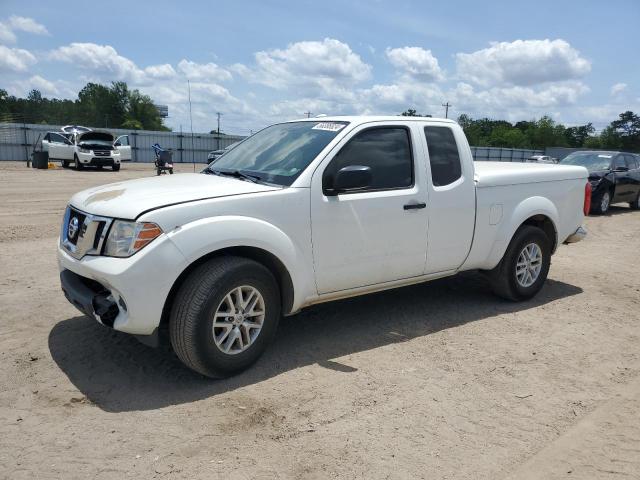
[[102, 153], [82, 233]]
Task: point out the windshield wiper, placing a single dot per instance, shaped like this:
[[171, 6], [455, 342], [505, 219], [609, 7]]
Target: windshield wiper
[[238, 174]]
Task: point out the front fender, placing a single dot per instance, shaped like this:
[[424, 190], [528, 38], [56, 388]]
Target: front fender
[[529, 207], [205, 236]]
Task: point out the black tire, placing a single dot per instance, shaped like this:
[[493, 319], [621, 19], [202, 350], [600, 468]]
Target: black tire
[[601, 207], [65, 164], [503, 278], [159, 172], [78, 165], [99, 167], [194, 307], [116, 167], [171, 171], [635, 205]]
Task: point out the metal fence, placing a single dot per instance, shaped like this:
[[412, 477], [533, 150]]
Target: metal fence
[[17, 141], [497, 154]]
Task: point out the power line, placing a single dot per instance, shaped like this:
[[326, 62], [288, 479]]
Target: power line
[[308, 114]]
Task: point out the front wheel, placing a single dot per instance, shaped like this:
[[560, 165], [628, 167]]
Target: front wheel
[[524, 267], [602, 206], [78, 165], [116, 167], [224, 316]]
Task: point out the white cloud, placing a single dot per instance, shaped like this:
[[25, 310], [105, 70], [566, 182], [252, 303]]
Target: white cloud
[[163, 71], [522, 62], [618, 88], [15, 59], [99, 58], [203, 71], [23, 24], [516, 102], [6, 34], [326, 66], [26, 24], [45, 86], [415, 62]]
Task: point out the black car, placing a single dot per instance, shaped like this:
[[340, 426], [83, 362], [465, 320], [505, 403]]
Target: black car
[[614, 177]]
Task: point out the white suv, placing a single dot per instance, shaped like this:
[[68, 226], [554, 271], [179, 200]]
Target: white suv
[[83, 148]]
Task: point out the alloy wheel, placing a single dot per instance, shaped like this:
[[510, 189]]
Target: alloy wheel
[[238, 320], [529, 265]]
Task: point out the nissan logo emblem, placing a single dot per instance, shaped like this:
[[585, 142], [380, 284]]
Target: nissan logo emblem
[[73, 227]]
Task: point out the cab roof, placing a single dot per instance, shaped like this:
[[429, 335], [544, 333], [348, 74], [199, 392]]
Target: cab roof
[[358, 119]]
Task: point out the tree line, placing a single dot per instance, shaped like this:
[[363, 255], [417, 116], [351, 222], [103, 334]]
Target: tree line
[[621, 134], [113, 106]]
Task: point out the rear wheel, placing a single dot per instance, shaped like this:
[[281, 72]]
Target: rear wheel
[[524, 267], [158, 172], [65, 164], [224, 316], [171, 171], [635, 205]]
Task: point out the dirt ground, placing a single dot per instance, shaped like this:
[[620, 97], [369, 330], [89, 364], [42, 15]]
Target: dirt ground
[[441, 380]]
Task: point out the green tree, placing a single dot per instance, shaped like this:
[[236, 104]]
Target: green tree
[[627, 129], [577, 136], [410, 112]]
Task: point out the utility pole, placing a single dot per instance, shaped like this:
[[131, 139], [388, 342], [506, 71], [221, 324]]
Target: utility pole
[[308, 114], [218, 140], [446, 111]]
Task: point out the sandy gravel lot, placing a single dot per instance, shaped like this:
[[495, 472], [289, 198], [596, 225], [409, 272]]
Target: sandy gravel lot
[[441, 380]]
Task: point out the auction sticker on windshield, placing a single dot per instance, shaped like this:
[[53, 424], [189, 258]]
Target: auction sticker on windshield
[[329, 126]]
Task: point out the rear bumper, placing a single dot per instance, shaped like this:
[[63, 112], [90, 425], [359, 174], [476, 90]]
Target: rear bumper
[[576, 236]]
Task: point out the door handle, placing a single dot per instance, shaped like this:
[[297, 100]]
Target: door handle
[[414, 206]]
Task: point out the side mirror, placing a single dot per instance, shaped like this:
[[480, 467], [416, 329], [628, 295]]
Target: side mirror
[[351, 178], [117, 144]]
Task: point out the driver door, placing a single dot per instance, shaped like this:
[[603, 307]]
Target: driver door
[[123, 146], [377, 234], [59, 147]]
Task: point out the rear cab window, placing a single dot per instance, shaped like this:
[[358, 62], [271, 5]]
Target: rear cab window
[[444, 156]]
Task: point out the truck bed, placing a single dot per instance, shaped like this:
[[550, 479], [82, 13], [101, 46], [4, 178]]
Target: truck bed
[[492, 174]]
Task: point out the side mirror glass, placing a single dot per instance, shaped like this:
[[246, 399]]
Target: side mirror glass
[[351, 178]]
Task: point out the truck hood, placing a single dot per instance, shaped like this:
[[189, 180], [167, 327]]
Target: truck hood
[[127, 200]]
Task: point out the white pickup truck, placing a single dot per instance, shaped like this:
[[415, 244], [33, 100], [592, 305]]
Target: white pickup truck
[[305, 212]]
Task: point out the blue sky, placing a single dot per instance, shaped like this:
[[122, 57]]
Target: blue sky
[[261, 62]]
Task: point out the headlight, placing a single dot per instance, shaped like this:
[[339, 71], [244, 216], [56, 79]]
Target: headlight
[[126, 238], [84, 150]]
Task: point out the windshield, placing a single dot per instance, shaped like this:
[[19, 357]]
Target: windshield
[[592, 161], [279, 153]]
